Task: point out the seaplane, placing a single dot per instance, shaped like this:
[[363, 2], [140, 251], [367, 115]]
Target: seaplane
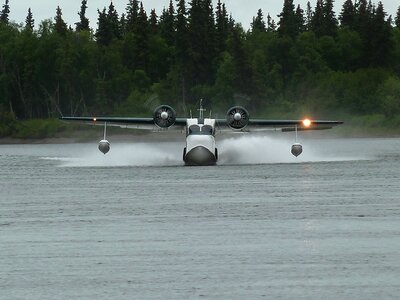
[[201, 149]]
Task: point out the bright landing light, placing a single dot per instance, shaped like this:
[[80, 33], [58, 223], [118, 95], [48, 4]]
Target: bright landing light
[[306, 123]]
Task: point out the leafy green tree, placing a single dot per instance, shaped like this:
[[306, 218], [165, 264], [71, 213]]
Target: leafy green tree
[[237, 49], [159, 62], [389, 94], [350, 47], [224, 83], [83, 23]]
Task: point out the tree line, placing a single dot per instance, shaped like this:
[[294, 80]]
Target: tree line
[[308, 60]]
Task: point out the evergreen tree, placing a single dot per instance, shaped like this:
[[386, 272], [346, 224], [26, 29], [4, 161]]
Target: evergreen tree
[[29, 21], [113, 21], [132, 11], [142, 40], [153, 21], [167, 24], [182, 38], [348, 15], [363, 17], [271, 26], [397, 20], [104, 33], [122, 24], [201, 29], [182, 50], [5, 13], [60, 26], [222, 26], [317, 22], [309, 15], [330, 21], [83, 24], [288, 23], [231, 22], [380, 38], [243, 73], [300, 19], [390, 20], [258, 24]]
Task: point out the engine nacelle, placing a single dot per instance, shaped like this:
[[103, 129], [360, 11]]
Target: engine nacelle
[[104, 146], [164, 116], [237, 117]]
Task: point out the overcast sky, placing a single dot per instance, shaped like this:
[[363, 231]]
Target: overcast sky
[[242, 10]]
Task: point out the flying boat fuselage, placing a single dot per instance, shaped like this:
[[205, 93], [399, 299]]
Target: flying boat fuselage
[[200, 147]]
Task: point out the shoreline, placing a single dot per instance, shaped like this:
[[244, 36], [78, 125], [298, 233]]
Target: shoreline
[[149, 137], [179, 137]]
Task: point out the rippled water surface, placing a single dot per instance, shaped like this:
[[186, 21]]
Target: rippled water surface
[[136, 224]]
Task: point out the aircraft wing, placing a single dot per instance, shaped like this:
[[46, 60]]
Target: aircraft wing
[[282, 125], [125, 122]]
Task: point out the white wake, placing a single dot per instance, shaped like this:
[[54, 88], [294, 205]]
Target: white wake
[[270, 150], [236, 150]]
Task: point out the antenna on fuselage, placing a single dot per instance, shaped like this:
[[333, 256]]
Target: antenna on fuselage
[[201, 110]]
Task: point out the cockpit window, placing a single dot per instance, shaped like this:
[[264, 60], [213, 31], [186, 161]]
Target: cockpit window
[[207, 129], [194, 129], [197, 130]]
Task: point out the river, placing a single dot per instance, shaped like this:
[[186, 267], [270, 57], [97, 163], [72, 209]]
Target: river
[[137, 224]]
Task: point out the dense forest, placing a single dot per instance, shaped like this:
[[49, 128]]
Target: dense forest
[[308, 60]]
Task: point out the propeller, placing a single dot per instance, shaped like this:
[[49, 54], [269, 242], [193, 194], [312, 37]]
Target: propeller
[[237, 117], [164, 116]]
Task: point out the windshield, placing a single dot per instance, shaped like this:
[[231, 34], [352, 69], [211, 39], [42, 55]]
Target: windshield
[[197, 130]]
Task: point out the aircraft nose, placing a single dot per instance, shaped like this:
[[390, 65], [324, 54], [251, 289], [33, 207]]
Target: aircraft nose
[[200, 156]]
